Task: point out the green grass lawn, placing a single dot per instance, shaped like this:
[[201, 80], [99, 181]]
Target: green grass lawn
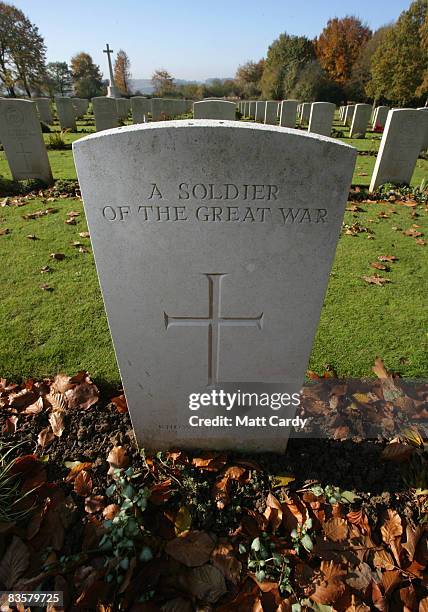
[[66, 329]]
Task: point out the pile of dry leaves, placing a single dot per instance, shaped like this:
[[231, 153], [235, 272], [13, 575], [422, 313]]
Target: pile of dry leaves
[[115, 529]]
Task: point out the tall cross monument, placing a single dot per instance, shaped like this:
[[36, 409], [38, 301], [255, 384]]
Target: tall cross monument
[[112, 90]]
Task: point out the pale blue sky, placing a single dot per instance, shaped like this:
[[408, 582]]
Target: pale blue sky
[[193, 39]]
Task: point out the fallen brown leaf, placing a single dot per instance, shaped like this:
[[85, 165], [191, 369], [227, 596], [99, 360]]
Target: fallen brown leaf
[[192, 548], [376, 280], [45, 437], [83, 484], [120, 403], [56, 420], [14, 562], [117, 458], [94, 503], [224, 559]]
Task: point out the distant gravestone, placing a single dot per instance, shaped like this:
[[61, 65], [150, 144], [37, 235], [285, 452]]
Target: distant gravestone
[[105, 113], [157, 108], [22, 140], [287, 115], [213, 261], [79, 109], [66, 113], [43, 106], [214, 109], [400, 146], [141, 107], [123, 107], [260, 111], [271, 112], [349, 114], [380, 115], [424, 109], [321, 118], [172, 108], [80, 106], [305, 113], [360, 120]]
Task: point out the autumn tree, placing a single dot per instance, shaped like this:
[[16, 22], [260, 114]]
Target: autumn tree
[[339, 45], [422, 89], [285, 57], [163, 83], [122, 72], [400, 63], [87, 79], [358, 84], [22, 51], [248, 77], [314, 85], [58, 79]]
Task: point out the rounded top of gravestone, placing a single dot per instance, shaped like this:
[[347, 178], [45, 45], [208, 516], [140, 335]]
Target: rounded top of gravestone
[[211, 123]]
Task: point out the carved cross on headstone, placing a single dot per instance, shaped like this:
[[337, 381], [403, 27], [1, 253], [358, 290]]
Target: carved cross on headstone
[[214, 321], [26, 155]]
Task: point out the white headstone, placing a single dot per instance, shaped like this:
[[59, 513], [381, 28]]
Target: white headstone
[[157, 109], [321, 118], [141, 107], [360, 120], [424, 109], [43, 106], [271, 111], [105, 113], [380, 115], [400, 146], [214, 109], [22, 140], [213, 261], [66, 113], [287, 116], [349, 113], [123, 107], [305, 113], [260, 111]]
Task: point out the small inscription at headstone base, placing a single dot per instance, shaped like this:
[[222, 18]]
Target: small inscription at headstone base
[[213, 261]]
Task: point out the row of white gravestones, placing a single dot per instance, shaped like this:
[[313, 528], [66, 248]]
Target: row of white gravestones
[[168, 108], [66, 113], [218, 310], [109, 111], [402, 140], [214, 109], [22, 140], [271, 112]]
